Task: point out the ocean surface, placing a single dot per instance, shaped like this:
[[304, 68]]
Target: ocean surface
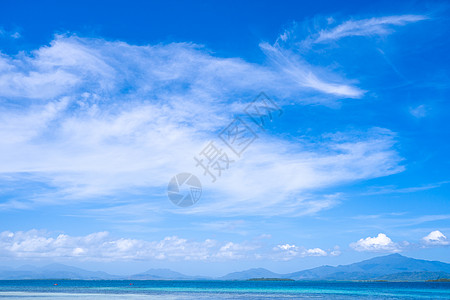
[[149, 289]]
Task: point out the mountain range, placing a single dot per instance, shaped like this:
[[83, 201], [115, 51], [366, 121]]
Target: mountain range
[[394, 267]]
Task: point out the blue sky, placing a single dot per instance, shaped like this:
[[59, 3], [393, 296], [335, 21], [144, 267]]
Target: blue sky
[[101, 104]]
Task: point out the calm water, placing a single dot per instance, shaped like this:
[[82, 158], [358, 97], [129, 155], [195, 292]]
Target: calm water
[[105, 289]]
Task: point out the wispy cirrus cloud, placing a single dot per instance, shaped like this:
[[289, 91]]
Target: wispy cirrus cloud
[[9, 34], [420, 111], [403, 190], [88, 119], [292, 46], [288, 179], [363, 27], [298, 71]]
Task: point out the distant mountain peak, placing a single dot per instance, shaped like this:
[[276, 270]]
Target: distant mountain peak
[[374, 268], [388, 267], [394, 255], [250, 273]]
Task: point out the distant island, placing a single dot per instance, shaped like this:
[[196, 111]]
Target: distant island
[[270, 279], [439, 280]]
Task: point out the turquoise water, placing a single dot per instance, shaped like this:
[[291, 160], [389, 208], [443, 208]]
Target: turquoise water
[[149, 289]]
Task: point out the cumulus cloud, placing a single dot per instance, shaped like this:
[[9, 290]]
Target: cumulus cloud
[[288, 252], [380, 243], [435, 238], [101, 246], [336, 251], [316, 252], [383, 243]]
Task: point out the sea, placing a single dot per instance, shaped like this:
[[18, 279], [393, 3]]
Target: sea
[[166, 289]]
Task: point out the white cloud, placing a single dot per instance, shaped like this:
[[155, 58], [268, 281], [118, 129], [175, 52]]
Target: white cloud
[[269, 178], [420, 111], [435, 238], [405, 190], [380, 243], [9, 34], [93, 119], [300, 72], [100, 246], [235, 251], [365, 27], [287, 247], [288, 252], [15, 35], [316, 252], [336, 251]]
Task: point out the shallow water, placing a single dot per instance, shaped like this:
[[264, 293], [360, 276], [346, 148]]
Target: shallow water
[[150, 289]]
